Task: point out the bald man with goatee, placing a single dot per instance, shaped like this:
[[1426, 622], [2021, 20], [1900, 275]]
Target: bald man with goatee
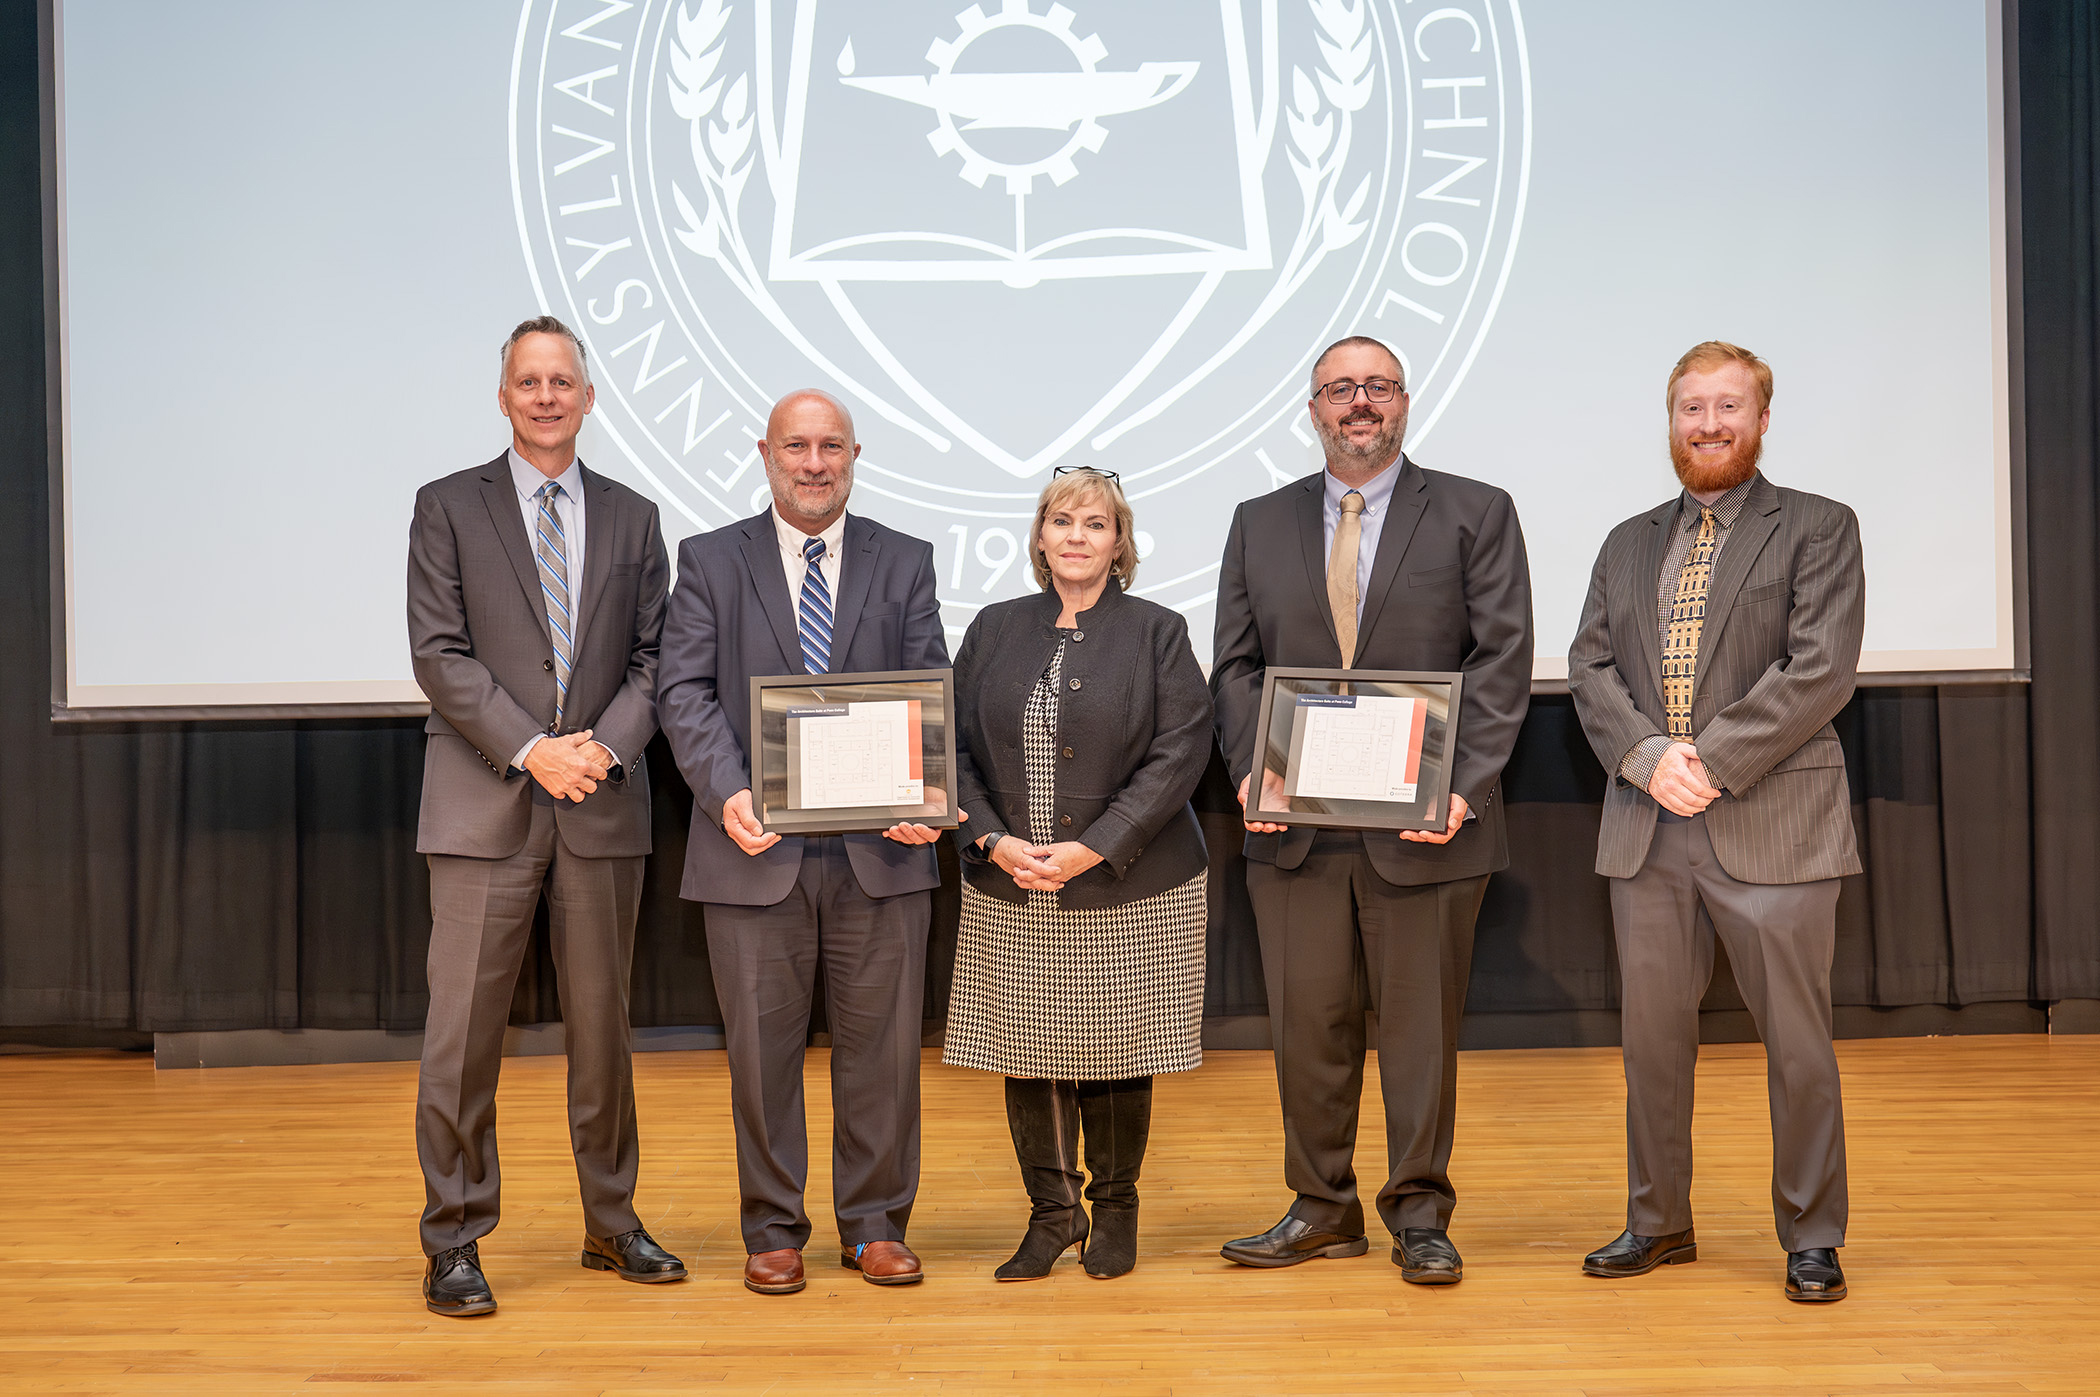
[[806, 588], [1720, 637]]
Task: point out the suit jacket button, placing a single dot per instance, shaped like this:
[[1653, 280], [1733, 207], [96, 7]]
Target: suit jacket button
[[1064, 819], [1078, 635], [1068, 751], [547, 665], [1075, 683]]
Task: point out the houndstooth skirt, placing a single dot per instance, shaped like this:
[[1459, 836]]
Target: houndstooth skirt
[[1084, 995]]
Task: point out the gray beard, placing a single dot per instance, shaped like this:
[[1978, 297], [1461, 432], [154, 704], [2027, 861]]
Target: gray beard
[[1382, 449]]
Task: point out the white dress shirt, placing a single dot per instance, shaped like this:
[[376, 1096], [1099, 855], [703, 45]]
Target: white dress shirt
[[792, 541], [528, 480]]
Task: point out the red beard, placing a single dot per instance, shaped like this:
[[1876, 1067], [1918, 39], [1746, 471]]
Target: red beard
[[1704, 475]]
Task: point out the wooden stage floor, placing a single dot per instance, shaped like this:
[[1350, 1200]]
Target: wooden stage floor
[[253, 1230]]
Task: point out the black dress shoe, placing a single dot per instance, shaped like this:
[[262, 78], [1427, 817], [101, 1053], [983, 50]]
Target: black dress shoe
[[1425, 1256], [1290, 1242], [1813, 1276], [453, 1283], [633, 1256], [1631, 1254]]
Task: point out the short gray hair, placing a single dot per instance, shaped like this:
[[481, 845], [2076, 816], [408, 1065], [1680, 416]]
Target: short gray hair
[[543, 325], [1353, 342]]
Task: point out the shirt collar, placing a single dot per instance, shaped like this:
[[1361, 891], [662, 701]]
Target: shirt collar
[[528, 478], [792, 539], [1376, 491], [1725, 508]]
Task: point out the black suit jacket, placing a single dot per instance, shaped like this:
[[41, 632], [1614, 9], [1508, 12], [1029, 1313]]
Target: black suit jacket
[[1133, 737], [478, 637], [729, 618], [1450, 590]]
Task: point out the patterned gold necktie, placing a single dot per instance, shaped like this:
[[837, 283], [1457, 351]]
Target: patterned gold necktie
[[1687, 620], [1341, 574]]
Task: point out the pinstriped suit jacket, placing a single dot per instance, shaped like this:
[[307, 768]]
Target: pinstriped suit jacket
[[1778, 658]]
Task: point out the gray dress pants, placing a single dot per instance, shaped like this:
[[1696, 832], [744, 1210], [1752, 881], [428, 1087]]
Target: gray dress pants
[[481, 927], [1780, 939], [871, 956], [1335, 939]]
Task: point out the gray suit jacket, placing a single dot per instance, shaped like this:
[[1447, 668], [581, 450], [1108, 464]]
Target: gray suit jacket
[[1779, 656], [477, 630], [1450, 589], [731, 618]]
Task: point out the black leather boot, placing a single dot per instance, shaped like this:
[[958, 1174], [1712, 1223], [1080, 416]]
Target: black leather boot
[[1044, 1118], [1115, 1119]]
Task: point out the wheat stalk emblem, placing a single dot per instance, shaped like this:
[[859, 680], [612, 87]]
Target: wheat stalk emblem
[[721, 147]]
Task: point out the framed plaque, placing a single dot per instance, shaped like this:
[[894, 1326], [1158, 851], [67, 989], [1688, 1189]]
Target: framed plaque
[[1355, 748], [835, 753]]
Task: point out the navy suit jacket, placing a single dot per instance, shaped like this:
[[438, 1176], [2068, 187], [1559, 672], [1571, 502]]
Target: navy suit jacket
[[730, 617]]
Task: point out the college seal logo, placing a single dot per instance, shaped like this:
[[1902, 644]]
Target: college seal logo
[[1014, 236]]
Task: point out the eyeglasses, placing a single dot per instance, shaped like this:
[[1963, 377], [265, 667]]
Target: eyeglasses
[[1094, 470], [1378, 390]]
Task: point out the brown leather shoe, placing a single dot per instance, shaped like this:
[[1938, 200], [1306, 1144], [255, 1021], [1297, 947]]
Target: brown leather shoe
[[774, 1272], [883, 1263]]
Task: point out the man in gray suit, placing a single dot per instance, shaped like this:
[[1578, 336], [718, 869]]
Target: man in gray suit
[[806, 588], [535, 599], [1720, 637]]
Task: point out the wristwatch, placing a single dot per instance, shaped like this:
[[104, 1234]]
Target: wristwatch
[[991, 842]]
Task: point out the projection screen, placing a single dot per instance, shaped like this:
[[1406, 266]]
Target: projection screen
[[288, 240]]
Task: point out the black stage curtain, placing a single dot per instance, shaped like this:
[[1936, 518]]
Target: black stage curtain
[[222, 876], [2059, 119]]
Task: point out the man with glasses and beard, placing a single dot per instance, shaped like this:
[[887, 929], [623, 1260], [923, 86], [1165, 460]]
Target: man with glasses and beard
[[1374, 563], [1720, 637]]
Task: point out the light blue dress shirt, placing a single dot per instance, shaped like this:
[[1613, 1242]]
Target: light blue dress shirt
[[1378, 498], [568, 507]]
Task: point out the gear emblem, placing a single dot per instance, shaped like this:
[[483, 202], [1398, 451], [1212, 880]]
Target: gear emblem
[[1071, 100], [1087, 133]]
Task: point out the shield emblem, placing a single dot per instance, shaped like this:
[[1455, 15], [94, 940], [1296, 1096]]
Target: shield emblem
[[1012, 236]]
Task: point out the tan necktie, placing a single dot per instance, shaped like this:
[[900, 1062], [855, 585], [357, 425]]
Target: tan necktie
[[1341, 574], [1687, 620]]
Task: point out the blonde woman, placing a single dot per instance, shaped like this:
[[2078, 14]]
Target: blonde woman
[[1084, 727]]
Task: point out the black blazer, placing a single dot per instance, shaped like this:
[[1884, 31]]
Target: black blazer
[[1133, 738], [1450, 589]]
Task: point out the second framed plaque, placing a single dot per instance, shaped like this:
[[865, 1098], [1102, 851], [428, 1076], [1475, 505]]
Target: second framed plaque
[[1355, 748], [838, 753]]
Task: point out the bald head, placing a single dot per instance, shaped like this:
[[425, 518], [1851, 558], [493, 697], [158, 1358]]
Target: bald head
[[809, 450], [802, 397]]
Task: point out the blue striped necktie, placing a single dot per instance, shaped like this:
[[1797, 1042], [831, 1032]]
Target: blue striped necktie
[[551, 545], [815, 611]]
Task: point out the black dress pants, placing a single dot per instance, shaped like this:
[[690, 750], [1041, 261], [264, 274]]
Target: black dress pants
[[1336, 939]]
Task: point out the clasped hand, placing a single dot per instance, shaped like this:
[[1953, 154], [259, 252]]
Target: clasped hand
[[571, 766], [1044, 866], [1679, 784], [741, 824]]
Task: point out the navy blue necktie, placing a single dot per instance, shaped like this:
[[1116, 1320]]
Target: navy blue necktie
[[815, 611]]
